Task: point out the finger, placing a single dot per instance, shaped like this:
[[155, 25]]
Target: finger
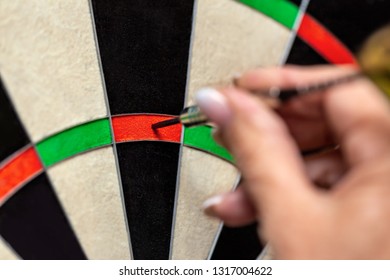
[[218, 137], [304, 115], [262, 147], [289, 76], [306, 121], [359, 115], [325, 170], [234, 209]]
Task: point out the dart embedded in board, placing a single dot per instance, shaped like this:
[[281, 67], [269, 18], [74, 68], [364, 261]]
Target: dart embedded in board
[[192, 116], [374, 61]]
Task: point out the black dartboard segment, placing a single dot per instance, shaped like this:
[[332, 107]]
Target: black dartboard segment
[[144, 48], [302, 54], [13, 135], [238, 244], [35, 225], [32, 221], [149, 182], [351, 22]]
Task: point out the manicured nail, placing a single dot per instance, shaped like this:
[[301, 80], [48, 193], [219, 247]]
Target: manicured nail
[[213, 104], [237, 75], [236, 78], [211, 202]]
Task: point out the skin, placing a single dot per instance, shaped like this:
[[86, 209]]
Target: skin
[[331, 206]]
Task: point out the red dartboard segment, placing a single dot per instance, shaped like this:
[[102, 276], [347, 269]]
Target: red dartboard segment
[[324, 42], [17, 171], [138, 127]]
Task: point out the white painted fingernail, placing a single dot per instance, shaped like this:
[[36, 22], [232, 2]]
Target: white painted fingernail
[[237, 76], [215, 200], [213, 104]]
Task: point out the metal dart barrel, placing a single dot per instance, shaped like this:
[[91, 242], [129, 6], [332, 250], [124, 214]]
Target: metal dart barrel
[[190, 116]]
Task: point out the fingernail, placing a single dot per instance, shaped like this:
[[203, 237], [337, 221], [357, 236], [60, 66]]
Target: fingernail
[[237, 75], [236, 78], [213, 104], [209, 204]]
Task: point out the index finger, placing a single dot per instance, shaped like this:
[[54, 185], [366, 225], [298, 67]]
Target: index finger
[[304, 115], [357, 113]]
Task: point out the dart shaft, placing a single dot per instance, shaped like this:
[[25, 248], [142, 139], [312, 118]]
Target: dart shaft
[[166, 123], [192, 116]]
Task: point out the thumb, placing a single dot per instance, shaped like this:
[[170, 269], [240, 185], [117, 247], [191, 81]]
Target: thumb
[[263, 149]]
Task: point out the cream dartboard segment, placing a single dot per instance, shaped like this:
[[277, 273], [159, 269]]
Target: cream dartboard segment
[[82, 174], [222, 46]]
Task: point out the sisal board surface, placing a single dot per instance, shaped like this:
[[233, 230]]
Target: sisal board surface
[[229, 38], [87, 186], [194, 231], [49, 64], [5, 252]]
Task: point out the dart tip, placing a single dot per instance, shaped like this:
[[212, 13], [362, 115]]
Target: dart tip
[[166, 123]]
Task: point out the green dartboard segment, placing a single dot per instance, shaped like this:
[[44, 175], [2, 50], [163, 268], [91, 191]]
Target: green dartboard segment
[[282, 11], [201, 138], [75, 140]]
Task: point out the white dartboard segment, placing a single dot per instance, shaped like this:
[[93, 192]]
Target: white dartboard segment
[[6, 253], [228, 39], [48, 60], [49, 64], [87, 186], [200, 178]]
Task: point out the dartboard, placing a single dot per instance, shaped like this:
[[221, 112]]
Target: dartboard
[[82, 174]]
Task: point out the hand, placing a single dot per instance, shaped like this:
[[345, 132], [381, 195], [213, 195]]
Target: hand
[[349, 220]]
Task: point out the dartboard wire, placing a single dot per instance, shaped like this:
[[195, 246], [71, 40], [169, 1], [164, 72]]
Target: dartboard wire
[[20, 152], [293, 34], [114, 144], [220, 227], [302, 10], [19, 187], [15, 189], [15, 154], [186, 97], [44, 170], [294, 31]]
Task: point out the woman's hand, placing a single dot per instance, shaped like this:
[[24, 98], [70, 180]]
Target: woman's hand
[[280, 189]]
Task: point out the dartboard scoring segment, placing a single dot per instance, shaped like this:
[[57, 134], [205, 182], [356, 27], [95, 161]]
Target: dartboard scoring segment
[[222, 45], [86, 105], [53, 78], [58, 170], [51, 142]]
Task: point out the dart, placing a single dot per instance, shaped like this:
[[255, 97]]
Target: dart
[[82, 173], [374, 60], [192, 116]]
